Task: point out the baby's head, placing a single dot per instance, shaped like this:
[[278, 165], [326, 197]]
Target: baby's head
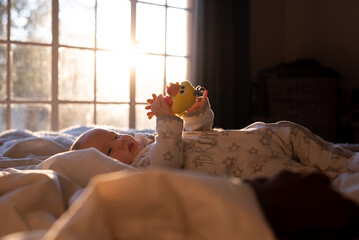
[[122, 147]]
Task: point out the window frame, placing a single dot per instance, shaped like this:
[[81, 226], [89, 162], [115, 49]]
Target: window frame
[[54, 44]]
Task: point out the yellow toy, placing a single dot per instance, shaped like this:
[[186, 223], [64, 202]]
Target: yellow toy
[[181, 96]]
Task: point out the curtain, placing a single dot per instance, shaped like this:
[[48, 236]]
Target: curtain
[[221, 59]]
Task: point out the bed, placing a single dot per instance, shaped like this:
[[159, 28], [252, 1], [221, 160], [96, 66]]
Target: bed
[[49, 192]]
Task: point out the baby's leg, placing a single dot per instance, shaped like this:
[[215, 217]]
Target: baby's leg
[[262, 153], [311, 150]]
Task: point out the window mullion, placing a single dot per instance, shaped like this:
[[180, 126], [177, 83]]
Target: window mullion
[[165, 55], [54, 71], [8, 68], [132, 115], [95, 70]]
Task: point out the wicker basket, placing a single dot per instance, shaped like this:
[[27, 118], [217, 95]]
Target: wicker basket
[[311, 102]]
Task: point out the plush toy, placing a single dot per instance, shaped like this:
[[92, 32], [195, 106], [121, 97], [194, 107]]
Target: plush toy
[[181, 96]]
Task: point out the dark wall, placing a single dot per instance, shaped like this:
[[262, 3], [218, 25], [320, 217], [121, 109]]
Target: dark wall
[[283, 31]]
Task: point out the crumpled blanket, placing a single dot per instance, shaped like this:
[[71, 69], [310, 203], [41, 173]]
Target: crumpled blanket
[[48, 192]]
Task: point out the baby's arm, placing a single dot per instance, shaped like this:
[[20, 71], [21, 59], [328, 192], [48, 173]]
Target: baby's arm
[[199, 116], [167, 151]]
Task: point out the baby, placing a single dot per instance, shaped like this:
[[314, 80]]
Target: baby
[[122, 147], [125, 147], [190, 142]]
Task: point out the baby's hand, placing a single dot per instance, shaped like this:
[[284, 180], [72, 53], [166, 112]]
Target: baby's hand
[[158, 106], [148, 107], [200, 101]]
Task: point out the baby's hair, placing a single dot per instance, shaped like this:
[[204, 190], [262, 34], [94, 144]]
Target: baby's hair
[[77, 144]]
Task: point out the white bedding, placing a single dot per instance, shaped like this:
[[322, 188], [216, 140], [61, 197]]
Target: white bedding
[[48, 192]]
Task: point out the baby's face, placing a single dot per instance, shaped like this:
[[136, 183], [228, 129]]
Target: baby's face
[[122, 147]]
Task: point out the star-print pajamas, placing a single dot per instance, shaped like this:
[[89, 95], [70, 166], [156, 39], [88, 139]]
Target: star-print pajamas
[[259, 149]]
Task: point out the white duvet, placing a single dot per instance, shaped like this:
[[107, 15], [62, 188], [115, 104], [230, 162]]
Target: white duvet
[[47, 192]]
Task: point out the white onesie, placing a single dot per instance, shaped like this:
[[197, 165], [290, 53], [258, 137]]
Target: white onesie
[[257, 150]]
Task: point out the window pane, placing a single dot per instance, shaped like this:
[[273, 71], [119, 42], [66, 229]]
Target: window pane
[[113, 77], [142, 122], [77, 22], [3, 19], [178, 3], [150, 29], [114, 24], [31, 20], [34, 117], [149, 76], [113, 115], [31, 72], [176, 69], [162, 2], [2, 71], [177, 31], [76, 74], [75, 114], [2, 117]]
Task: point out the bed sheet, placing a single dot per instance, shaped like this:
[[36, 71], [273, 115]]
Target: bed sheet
[[48, 192]]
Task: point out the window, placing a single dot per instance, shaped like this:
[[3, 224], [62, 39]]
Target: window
[[83, 62]]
